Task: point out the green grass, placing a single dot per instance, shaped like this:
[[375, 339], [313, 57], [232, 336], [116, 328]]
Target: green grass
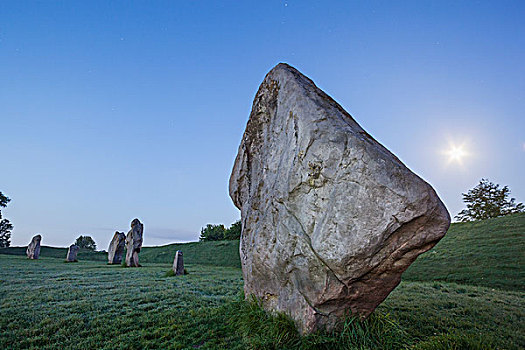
[[59, 253], [487, 253], [467, 293], [417, 315], [220, 253], [266, 331], [48, 304], [171, 273]]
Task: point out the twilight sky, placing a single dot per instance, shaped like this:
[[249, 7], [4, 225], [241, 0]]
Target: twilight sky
[[123, 109]]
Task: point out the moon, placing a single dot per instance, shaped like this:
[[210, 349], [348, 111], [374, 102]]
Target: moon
[[456, 153]]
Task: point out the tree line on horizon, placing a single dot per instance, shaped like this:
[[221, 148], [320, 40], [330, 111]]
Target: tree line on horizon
[[218, 232]]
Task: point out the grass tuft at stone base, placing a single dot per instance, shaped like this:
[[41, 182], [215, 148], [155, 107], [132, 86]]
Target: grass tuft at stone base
[[171, 273]]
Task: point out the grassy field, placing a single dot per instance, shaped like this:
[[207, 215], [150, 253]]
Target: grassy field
[[220, 253], [58, 253], [487, 253], [467, 293], [47, 303]]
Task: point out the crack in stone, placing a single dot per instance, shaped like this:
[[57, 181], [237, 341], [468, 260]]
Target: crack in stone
[[308, 240]]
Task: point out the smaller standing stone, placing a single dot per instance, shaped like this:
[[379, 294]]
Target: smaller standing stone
[[33, 249], [134, 243], [178, 264], [116, 248], [72, 253]]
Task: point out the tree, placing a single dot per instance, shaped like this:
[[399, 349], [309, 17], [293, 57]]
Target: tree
[[5, 225], [4, 200], [487, 200], [212, 233], [86, 242], [220, 233], [234, 232]]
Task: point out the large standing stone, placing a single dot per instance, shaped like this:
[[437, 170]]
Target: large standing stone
[[330, 218], [178, 264], [116, 248], [72, 253], [134, 243], [33, 249]]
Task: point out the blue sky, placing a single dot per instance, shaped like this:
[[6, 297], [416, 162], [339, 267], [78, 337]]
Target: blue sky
[[123, 109]]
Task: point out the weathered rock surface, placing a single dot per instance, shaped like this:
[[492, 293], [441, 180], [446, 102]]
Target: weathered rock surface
[[330, 218], [72, 253], [134, 243], [116, 248], [33, 249], [178, 264]]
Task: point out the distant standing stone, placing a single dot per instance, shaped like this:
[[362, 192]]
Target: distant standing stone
[[116, 248], [72, 253], [134, 243], [178, 264], [33, 249]]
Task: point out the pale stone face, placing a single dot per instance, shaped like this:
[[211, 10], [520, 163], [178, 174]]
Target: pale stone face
[[33, 249], [330, 218], [116, 248], [178, 264], [72, 253], [134, 243]]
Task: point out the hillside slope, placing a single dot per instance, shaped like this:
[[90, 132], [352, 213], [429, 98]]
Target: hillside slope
[[220, 253], [59, 253], [486, 253]]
